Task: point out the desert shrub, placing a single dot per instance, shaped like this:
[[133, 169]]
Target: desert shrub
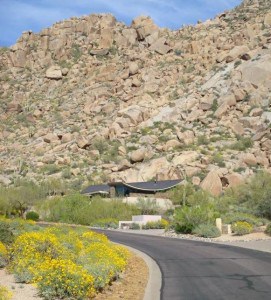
[[79, 209], [32, 215], [156, 224], [242, 144], [241, 228], [3, 255], [187, 218], [147, 206], [5, 294], [254, 196], [134, 226], [179, 194], [207, 231], [268, 229], [106, 223], [202, 140], [6, 234], [234, 217]]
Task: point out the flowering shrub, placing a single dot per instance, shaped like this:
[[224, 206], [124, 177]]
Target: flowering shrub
[[62, 278], [241, 228], [5, 294], [3, 255], [104, 261], [66, 263], [156, 224]]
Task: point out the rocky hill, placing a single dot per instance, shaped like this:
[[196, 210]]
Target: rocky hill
[[91, 99]]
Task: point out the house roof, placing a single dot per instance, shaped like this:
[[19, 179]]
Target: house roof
[[150, 186], [96, 189]]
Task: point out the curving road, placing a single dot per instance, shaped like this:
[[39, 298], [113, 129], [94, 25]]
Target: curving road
[[193, 270]]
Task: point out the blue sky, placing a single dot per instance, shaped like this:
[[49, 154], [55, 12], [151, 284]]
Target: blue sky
[[20, 15]]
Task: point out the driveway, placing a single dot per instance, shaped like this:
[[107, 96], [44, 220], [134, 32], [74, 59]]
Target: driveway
[[199, 270]]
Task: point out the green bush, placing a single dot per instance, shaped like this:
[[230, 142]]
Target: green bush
[[79, 209], [242, 144], [6, 234], [268, 229], [134, 226], [156, 224], [187, 218], [234, 217], [242, 228], [106, 223], [207, 231], [255, 195], [32, 215]]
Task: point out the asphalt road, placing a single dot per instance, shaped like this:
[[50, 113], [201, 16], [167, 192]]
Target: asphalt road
[[199, 270]]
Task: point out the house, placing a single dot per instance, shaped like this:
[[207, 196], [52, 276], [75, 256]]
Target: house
[[132, 189]]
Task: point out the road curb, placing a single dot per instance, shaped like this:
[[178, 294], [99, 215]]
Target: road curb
[[153, 289]]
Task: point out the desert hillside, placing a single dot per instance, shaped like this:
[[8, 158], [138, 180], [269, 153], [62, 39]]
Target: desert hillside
[[93, 100]]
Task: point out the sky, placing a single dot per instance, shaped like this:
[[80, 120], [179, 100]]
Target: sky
[[21, 15]]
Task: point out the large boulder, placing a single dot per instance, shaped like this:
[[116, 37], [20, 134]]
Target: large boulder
[[185, 157], [249, 159], [144, 27], [160, 46], [138, 155], [234, 179], [54, 72], [257, 72], [187, 137], [212, 183], [236, 52]]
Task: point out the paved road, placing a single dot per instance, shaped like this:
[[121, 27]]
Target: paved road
[[196, 270]]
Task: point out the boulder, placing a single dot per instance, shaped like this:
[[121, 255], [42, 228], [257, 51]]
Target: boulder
[[67, 137], [187, 137], [83, 143], [160, 46], [14, 106], [234, 179], [171, 144], [185, 157], [99, 52], [267, 19], [212, 183], [237, 128], [144, 27], [124, 165], [221, 110], [50, 138], [122, 151], [133, 68], [65, 71], [54, 72], [249, 159], [236, 52], [138, 155], [257, 72]]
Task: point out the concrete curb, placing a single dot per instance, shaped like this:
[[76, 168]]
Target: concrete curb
[[154, 285]]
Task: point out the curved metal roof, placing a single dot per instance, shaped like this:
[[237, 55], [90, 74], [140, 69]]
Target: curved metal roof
[[96, 189], [150, 186]]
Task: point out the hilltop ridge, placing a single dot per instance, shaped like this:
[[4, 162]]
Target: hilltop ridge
[[93, 100]]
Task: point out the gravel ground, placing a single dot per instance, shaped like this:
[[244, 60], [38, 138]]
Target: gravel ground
[[19, 291]]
